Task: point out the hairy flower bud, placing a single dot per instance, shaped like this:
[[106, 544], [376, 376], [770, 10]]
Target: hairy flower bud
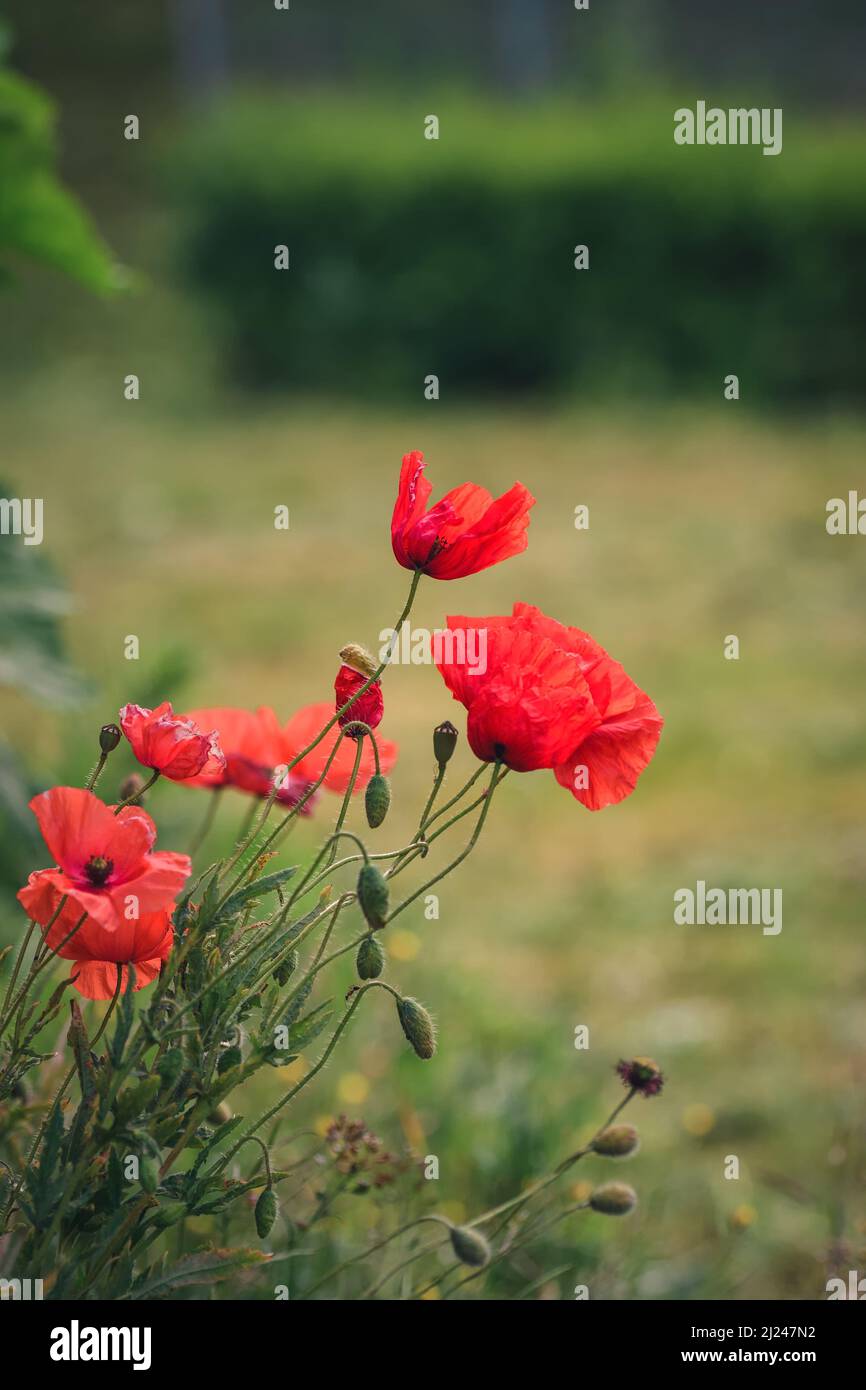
[[109, 737], [377, 799], [220, 1115], [470, 1247], [445, 738], [130, 786], [373, 895], [371, 959], [148, 1174], [286, 968], [356, 656], [617, 1141], [266, 1212], [417, 1026], [614, 1199]]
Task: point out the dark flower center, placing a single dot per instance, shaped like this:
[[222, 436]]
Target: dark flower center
[[98, 869]]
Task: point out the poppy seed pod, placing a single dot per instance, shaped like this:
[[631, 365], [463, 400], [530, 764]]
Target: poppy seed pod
[[377, 800], [445, 738], [614, 1199], [266, 1213], [470, 1247], [418, 1027], [373, 895], [617, 1141], [109, 737], [370, 961]]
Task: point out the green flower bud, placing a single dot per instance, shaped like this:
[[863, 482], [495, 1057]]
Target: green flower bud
[[370, 961], [444, 742], [219, 1116], [377, 799], [614, 1199], [266, 1212], [417, 1026], [286, 969], [148, 1174], [232, 1057], [109, 737], [373, 896], [168, 1214], [470, 1247], [617, 1141], [169, 1067]]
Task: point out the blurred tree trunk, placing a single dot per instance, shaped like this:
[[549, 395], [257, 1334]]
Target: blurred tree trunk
[[200, 44]]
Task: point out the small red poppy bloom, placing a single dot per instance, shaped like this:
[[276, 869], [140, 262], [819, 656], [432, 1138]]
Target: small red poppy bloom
[[252, 743], [169, 743], [466, 532], [99, 954], [106, 863], [303, 727], [367, 709], [542, 695]]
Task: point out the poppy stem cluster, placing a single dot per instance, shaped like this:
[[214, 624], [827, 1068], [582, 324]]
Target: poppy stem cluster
[[231, 954]]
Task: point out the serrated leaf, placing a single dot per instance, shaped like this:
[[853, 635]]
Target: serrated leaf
[[250, 891], [204, 1267]]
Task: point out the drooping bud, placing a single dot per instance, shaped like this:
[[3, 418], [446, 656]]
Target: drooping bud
[[377, 799], [417, 1026], [617, 1141], [367, 709], [266, 1212], [130, 786], [470, 1247], [371, 959], [220, 1114], [356, 656], [373, 896], [109, 737], [614, 1199], [286, 969], [445, 738]]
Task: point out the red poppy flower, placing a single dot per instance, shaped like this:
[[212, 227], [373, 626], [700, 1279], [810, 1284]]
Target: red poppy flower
[[303, 727], [541, 695], [169, 743], [252, 743], [466, 532], [143, 942], [367, 709], [106, 863]]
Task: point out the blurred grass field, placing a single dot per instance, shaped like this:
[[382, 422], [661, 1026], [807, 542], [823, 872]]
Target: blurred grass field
[[701, 525]]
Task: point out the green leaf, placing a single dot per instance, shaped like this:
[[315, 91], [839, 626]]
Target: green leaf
[[250, 891], [38, 217], [204, 1267]]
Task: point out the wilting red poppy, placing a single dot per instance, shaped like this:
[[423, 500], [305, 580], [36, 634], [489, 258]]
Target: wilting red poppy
[[169, 743], [143, 943], [466, 532], [541, 695], [367, 709], [106, 864], [253, 745], [303, 727]]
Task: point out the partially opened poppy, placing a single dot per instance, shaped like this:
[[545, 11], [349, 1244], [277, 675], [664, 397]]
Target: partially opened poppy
[[303, 727], [143, 943], [252, 743], [171, 744], [466, 532], [548, 696], [368, 708], [106, 864]]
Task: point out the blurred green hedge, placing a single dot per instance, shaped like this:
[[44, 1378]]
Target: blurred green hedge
[[456, 256]]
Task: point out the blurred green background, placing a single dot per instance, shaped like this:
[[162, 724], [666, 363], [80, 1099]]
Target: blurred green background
[[602, 388]]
